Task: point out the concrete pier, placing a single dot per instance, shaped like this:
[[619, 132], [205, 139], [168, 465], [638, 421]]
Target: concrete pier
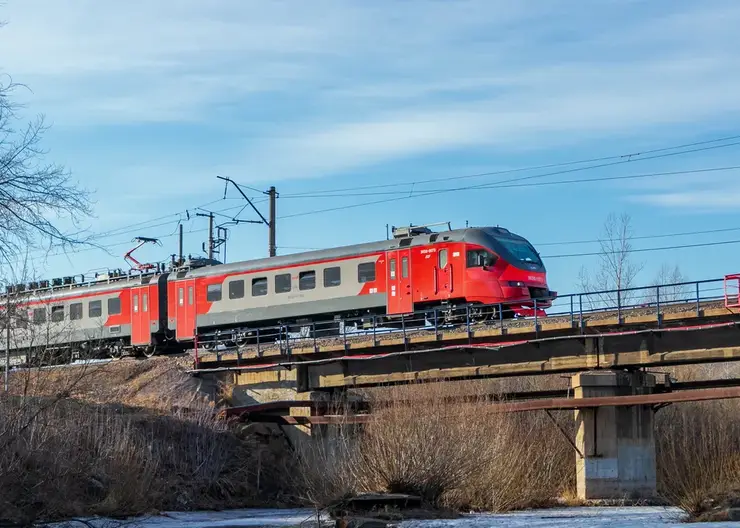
[[616, 444]]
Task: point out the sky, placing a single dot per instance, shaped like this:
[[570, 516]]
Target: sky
[[149, 102]]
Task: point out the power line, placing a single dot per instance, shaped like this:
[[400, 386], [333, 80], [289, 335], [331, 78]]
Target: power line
[[530, 168], [643, 250], [644, 237], [503, 185]]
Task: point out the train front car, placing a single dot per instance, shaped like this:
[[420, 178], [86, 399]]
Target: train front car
[[503, 267]]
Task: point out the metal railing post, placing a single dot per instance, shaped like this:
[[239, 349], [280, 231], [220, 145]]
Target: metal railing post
[[375, 330], [580, 311], [344, 332], [572, 315], [259, 351], [436, 324], [698, 301], [313, 331], [536, 320], [619, 306], [467, 321], [657, 304], [403, 328], [501, 316]]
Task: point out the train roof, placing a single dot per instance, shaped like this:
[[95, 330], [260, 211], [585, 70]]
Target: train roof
[[100, 285], [475, 235]]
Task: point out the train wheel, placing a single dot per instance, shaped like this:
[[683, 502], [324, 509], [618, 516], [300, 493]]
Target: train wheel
[[149, 351], [115, 351]]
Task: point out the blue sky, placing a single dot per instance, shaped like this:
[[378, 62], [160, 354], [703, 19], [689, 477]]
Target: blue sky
[[150, 101]]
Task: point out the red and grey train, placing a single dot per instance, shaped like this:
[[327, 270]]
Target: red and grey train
[[416, 270]]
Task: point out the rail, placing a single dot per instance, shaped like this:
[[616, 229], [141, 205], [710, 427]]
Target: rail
[[575, 308]]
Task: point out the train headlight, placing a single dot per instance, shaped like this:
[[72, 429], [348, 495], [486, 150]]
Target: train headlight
[[517, 284]]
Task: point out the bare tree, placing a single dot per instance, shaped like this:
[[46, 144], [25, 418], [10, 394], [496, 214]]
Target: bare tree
[[668, 286], [617, 269], [36, 197]]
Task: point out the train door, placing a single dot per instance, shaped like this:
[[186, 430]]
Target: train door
[[443, 275], [400, 295], [185, 310], [140, 331]]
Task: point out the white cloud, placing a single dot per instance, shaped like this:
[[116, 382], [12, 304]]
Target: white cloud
[[323, 87]]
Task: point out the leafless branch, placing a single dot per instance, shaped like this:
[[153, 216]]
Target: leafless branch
[[36, 197], [616, 270]]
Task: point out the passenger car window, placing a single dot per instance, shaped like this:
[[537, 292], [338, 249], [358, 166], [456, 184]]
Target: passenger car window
[[307, 280], [114, 306], [213, 293], [259, 286], [282, 283], [95, 309], [75, 311], [39, 315], [393, 269], [405, 268], [366, 272], [332, 277], [236, 289], [57, 314]]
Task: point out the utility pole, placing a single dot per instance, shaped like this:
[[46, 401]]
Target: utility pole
[[271, 238], [272, 194], [210, 233], [180, 260]]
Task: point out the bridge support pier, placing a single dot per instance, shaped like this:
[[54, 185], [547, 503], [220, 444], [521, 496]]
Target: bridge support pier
[[616, 445]]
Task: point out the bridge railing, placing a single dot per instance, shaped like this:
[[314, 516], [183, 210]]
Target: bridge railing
[[576, 308]]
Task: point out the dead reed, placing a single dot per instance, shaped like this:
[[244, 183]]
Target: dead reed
[[453, 456]]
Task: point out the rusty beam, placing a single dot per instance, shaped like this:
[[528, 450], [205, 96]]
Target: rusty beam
[[553, 404]]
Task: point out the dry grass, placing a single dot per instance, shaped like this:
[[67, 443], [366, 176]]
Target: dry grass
[[453, 456], [157, 444], [698, 446]]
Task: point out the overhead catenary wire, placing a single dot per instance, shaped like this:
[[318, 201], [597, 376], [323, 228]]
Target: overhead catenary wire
[[626, 157], [621, 159], [643, 250], [505, 185]]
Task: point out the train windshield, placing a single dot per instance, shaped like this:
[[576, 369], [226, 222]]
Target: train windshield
[[520, 249]]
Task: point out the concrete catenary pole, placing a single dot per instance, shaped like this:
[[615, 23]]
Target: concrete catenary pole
[[271, 242]]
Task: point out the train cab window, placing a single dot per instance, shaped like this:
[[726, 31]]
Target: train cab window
[[181, 296], [75, 311], [39, 315], [393, 269], [213, 293], [144, 302], [236, 289], [191, 297], [57, 314], [405, 268], [307, 280], [366, 272], [259, 286], [136, 303], [442, 258], [478, 258], [332, 277], [282, 283], [114, 306], [95, 309]]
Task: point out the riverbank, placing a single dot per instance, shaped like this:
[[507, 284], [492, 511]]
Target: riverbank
[[596, 517], [135, 437]]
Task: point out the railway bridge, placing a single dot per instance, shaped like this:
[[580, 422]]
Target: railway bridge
[[605, 340]]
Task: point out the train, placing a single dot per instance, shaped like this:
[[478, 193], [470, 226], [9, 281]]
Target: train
[[177, 307]]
